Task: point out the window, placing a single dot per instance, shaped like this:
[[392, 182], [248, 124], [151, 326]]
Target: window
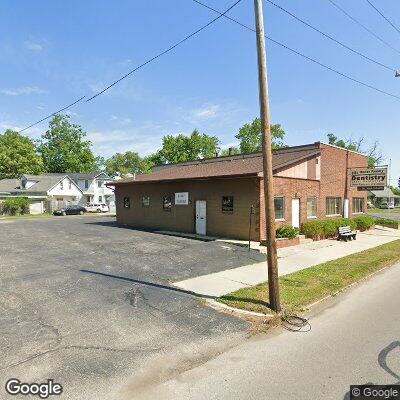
[[86, 184], [99, 184], [127, 202], [167, 203], [100, 199], [69, 185], [62, 185], [279, 203], [333, 206], [358, 205], [145, 201], [227, 204], [311, 207]]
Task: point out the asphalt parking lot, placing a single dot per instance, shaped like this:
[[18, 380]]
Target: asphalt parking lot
[[90, 304]]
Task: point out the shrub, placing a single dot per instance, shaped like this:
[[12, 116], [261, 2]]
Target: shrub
[[364, 222], [325, 228], [287, 231], [16, 205], [387, 222]]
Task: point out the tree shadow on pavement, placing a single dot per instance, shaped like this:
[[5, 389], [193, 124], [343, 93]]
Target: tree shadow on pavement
[[382, 361]]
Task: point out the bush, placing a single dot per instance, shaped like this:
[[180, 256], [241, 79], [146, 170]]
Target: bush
[[325, 228], [287, 232], [16, 205], [387, 222], [364, 222]]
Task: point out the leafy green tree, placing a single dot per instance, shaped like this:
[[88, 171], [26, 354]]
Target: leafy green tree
[[64, 149], [373, 152], [127, 163], [250, 137], [182, 148], [230, 151], [18, 156]]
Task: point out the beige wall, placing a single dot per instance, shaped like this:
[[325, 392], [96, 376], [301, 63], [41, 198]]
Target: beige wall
[[182, 218]]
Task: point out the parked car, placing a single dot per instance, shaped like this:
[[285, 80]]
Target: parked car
[[70, 210], [386, 205], [97, 207]]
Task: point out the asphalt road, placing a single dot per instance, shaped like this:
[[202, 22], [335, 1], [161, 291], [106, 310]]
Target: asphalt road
[[89, 304], [386, 214], [355, 339]]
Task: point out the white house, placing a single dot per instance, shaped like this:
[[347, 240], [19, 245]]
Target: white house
[[94, 189], [52, 190]]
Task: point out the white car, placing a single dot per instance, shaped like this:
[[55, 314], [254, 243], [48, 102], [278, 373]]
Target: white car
[[97, 207]]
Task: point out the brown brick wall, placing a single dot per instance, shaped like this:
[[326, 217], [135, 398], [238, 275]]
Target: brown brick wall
[[334, 164], [182, 218]]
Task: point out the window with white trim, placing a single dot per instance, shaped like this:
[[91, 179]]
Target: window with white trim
[[311, 207], [358, 205], [333, 206], [279, 203]]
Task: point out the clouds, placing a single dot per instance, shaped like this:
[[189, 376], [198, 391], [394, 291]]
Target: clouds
[[206, 112], [24, 90], [33, 46]]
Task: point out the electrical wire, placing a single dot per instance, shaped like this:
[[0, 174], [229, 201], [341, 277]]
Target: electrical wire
[[165, 51], [303, 55], [54, 113], [383, 16], [331, 37], [363, 26], [138, 67]]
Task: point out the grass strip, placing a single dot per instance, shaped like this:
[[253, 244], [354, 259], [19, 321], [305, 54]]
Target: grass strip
[[302, 288]]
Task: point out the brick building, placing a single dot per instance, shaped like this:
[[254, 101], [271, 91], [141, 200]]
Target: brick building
[[218, 196]]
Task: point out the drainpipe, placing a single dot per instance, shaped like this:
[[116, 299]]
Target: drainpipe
[[346, 205]]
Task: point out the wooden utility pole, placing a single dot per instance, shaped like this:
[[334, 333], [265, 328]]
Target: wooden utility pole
[[272, 259]]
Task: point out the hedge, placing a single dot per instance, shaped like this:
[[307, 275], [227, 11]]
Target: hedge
[[287, 232], [16, 205], [327, 228], [387, 222], [364, 222]]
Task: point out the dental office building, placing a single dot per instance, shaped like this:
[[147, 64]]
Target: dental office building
[[219, 196]]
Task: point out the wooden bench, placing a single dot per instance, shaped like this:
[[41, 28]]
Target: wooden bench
[[346, 233]]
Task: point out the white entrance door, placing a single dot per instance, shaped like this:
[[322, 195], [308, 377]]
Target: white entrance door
[[296, 213], [201, 213]]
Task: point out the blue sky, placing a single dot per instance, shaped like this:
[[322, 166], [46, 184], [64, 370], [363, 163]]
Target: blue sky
[[51, 53]]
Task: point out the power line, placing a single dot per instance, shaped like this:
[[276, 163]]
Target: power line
[[222, 14], [165, 51], [383, 16], [363, 26], [303, 55], [332, 38], [54, 113]]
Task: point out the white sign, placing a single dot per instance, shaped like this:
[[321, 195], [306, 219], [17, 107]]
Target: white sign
[[369, 178], [182, 198]]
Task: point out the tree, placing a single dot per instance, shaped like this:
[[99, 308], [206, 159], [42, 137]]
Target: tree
[[127, 163], [18, 156], [373, 152], [64, 149], [250, 137], [182, 148]]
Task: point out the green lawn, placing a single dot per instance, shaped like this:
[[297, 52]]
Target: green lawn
[[383, 210], [302, 288]]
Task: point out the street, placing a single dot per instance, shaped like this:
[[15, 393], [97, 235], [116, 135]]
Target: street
[[89, 304], [354, 339]]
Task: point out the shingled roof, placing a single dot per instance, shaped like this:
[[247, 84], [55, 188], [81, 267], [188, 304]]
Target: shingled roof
[[238, 165]]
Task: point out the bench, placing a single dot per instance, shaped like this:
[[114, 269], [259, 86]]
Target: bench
[[346, 233]]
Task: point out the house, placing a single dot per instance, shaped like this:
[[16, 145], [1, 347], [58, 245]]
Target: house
[[46, 191], [94, 189], [386, 195], [219, 196]]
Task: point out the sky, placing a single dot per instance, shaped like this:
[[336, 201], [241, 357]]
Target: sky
[[52, 53]]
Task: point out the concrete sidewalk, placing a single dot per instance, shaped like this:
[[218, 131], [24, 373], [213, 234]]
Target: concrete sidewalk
[[291, 259]]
